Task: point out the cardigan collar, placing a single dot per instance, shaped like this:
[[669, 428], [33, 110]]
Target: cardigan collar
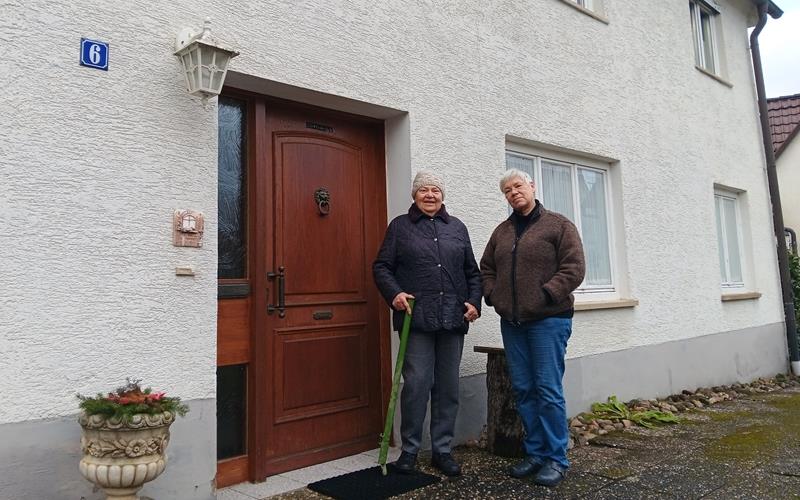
[[533, 215], [416, 214]]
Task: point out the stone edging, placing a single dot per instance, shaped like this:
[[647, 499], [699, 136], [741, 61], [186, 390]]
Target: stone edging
[[583, 428]]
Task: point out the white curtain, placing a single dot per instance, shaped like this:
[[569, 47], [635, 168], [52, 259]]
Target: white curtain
[[594, 226], [520, 163], [732, 237], [556, 189], [723, 262]]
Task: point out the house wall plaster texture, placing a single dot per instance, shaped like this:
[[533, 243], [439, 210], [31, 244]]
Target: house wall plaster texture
[[39, 460], [788, 165], [93, 165], [96, 162]]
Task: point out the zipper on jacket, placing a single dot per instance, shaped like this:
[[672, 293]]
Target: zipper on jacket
[[514, 307]]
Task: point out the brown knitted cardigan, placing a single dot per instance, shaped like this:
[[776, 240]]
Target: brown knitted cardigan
[[549, 265]]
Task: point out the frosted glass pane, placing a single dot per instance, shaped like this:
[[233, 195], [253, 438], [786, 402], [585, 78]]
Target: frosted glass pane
[[232, 189], [205, 77], [206, 56], [556, 189], [732, 237], [594, 226], [520, 163], [723, 266]]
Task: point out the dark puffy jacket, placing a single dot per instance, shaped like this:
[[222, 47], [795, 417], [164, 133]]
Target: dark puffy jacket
[[431, 258]]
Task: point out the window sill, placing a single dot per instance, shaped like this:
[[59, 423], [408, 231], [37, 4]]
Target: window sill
[[590, 13], [606, 304], [715, 77], [729, 297]]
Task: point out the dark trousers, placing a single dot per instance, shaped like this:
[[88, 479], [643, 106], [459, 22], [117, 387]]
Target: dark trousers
[[430, 369]]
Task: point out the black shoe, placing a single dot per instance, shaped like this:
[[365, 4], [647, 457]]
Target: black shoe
[[550, 474], [445, 463], [406, 463], [528, 466]]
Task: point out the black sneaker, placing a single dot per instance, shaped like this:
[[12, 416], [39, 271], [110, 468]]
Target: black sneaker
[[550, 474], [526, 467], [446, 463], [406, 463]]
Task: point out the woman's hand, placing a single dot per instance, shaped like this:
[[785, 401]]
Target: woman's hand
[[471, 314], [400, 302]]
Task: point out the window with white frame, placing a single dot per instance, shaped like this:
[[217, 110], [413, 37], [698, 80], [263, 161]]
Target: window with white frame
[[589, 5], [702, 14], [581, 193], [729, 238]]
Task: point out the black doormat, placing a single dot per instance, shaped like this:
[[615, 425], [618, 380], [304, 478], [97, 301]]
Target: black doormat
[[369, 484]]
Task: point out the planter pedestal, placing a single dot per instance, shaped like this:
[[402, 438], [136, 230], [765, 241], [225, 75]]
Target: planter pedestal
[[119, 456]]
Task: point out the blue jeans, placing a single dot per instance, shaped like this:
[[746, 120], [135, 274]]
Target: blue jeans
[[535, 355]]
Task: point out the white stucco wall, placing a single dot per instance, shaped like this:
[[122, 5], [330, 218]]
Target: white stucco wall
[[93, 165], [95, 162], [788, 165]]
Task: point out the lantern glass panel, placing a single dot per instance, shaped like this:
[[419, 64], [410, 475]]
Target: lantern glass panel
[[216, 82], [206, 56], [205, 78]]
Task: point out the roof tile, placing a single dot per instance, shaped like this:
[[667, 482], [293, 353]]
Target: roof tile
[[784, 118]]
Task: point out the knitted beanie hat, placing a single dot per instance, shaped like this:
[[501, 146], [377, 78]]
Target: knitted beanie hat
[[425, 178]]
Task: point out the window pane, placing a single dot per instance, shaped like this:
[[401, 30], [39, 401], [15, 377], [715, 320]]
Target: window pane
[[732, 237], [231, 411], [520, 163], [708, 47], [231, 162], [556, 189], [698, 57], [594, 226], [723, 264]]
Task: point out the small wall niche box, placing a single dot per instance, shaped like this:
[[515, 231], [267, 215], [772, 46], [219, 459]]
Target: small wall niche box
[[187, 228]]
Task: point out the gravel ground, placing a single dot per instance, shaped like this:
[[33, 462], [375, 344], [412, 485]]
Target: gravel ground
[[748, 448]]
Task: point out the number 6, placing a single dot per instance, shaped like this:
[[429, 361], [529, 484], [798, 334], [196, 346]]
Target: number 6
[[94, 53]]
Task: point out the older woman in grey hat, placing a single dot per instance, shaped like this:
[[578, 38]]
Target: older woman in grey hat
[[427, 255]]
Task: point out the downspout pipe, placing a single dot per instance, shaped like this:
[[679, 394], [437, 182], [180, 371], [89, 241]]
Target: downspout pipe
[[765, 7]]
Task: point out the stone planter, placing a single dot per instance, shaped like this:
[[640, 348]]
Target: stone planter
[[120, 456]]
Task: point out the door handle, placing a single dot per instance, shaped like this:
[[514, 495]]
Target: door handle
[[281, 307]]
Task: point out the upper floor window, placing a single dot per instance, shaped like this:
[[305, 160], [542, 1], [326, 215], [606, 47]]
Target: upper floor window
[[729, 238], [592, 8], [705, 39], [581, 193]]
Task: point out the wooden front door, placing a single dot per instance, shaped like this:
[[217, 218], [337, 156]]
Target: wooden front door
[[318, 343]]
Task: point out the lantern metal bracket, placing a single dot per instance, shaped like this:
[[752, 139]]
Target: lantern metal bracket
[[204, 59]]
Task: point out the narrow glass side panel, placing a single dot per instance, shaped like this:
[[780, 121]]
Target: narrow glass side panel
[[232, 197], [231, 411]]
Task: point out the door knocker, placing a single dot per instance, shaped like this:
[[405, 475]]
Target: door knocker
[[323, 199]]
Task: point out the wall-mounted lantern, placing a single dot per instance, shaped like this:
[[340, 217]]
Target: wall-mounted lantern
[[204, 59]]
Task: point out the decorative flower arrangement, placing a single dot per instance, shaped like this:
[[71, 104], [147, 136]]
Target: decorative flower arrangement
[[130, 400]]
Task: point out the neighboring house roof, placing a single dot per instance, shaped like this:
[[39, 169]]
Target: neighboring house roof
[[784, 120]]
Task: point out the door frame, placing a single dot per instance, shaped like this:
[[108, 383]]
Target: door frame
[[261, 181]]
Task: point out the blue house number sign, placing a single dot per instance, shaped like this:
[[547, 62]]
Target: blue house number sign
[[94, 54]]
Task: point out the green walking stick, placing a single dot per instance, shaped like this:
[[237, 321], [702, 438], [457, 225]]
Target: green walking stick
[[398, 368]]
